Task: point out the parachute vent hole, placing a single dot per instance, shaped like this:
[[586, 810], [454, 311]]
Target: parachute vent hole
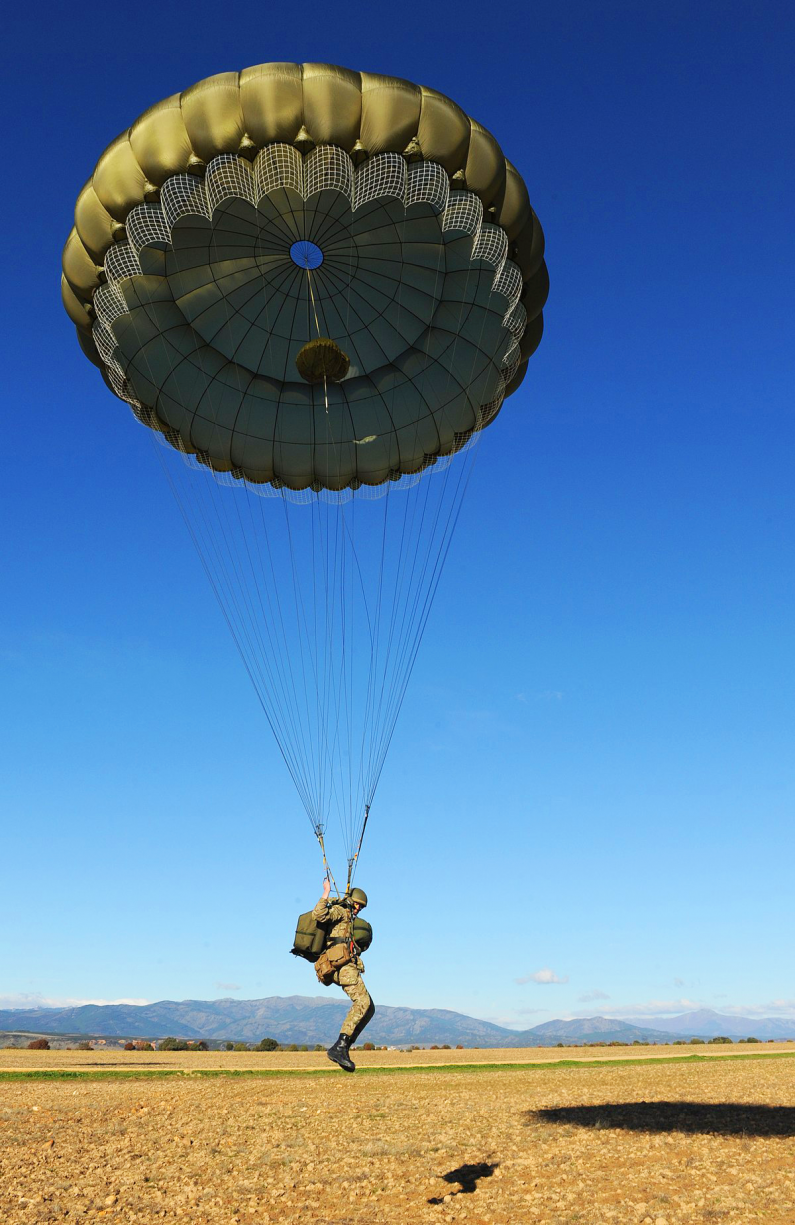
[[306, 255]]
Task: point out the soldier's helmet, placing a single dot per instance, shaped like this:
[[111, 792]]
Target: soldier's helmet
[[359, 895]]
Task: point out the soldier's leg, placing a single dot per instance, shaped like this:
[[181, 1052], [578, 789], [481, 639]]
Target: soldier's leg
[[366, 1019], [351, 982]]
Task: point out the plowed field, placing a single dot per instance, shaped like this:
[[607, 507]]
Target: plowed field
[[664, 1142]]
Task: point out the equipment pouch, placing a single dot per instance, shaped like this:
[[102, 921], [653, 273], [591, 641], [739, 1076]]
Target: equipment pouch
[[333, 959]]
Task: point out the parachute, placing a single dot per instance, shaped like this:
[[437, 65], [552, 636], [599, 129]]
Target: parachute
[[316, 287]]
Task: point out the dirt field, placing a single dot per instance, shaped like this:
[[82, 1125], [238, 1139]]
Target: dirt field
[[712, 1141]]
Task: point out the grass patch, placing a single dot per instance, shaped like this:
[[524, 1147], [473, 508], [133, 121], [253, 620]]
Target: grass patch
[[260, 1073]]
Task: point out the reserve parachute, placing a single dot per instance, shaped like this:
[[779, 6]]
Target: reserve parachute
[[315, 287]]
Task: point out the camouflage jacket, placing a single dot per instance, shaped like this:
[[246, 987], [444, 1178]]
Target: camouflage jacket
[[338, 922]]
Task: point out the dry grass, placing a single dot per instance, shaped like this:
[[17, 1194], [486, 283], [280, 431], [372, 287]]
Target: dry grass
[[668, 1142]]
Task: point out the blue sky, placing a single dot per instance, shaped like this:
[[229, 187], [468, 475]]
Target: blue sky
[[588, 803]]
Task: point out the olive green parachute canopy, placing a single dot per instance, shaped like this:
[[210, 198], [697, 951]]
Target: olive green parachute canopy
[[318, 286], [236, 223]]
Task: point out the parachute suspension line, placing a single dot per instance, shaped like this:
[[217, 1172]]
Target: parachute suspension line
[[415, 637], [410, 632], [311, 297], [315, 806], [231, 589], [307, 695], [368, 783], [411, 643], [373, 661], [297, 722], [399, 599], [292, 765], [335, 684], [229, 598], [405, 635], [302, 633], [249, 631]]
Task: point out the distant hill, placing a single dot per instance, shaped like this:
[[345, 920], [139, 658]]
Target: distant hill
[[313, 1019], [587, 1029], [707, 1023]]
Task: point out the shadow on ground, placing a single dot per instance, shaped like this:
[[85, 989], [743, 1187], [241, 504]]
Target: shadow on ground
[[467, 1176], [719, 1118]]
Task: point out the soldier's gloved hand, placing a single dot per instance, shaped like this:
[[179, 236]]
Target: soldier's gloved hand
[[326, 887]]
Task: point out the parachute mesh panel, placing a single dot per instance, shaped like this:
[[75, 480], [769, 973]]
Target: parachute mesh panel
[[104, 340], [491, 245], [121, 261], [427, 183], [384, 175], [228, 177], [182, 195], [146, 227], [278, 166], [516, 321], [328, 168], [509, 284], [109, 301], [464, 212]]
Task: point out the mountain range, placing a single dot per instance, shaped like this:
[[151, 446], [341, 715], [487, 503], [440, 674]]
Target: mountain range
[[708, 1024], [312, 1019]]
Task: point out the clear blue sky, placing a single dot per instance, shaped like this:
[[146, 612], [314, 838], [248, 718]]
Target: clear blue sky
[[593, 772]]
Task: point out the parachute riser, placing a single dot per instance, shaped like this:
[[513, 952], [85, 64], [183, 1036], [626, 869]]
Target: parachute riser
[[352, 862], [327, 873]]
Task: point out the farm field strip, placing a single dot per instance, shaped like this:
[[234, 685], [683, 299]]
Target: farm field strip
[[695, 1142], [140, 1073]]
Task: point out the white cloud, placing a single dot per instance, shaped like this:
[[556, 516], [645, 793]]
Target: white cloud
[[656, 1008], [544, 976], [589, 996], [517, 1018], [228, 986], [551, 695], [34, 999], [785, 1008], [679, 982]]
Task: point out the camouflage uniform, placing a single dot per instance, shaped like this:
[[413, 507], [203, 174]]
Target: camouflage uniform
[[338, 922]]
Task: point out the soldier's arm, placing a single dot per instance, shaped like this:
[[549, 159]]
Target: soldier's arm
[[326, 912]]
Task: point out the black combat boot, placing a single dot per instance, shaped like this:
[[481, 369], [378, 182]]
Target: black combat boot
[[339, 1053]]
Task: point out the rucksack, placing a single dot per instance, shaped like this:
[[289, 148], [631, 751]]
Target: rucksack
[[310, 938]]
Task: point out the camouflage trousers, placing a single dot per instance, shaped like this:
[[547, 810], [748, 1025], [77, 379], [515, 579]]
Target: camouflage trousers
[[362, 1007]]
